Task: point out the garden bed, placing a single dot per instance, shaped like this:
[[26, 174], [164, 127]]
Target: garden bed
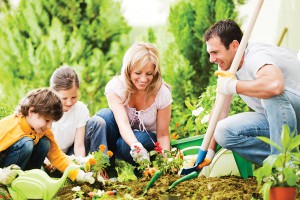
[[228, 187]]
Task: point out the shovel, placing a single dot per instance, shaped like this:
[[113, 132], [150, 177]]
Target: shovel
[[221, 98]]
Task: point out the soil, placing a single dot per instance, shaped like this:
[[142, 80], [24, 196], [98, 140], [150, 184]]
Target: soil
[[228, 187]]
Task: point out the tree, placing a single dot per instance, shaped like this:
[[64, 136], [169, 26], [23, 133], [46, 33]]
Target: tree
[[188, 22], [41, 35]]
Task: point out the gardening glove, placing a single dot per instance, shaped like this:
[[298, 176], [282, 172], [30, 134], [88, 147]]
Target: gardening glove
[[85, 177], [226, 82], [8, 174], [207, 160], [138, 152], [200, 157]]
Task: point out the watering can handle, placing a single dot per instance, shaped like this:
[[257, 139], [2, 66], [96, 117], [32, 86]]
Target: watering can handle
[[233, 68]]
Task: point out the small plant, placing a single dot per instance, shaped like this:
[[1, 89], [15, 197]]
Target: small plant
[[97, 162], [283, 169], [196, 122], [165, 161]]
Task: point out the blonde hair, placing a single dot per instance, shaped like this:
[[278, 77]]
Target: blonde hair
[[138, 55], [43, 101], [64, 78]]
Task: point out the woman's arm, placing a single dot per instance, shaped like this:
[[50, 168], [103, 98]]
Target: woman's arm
[[162, 127], [116, 105], [79, 148]]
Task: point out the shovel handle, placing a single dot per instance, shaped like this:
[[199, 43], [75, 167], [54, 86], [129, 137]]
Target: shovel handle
[[233, 68]]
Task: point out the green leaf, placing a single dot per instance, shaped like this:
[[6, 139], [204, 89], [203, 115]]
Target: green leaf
[[290, 176], [265, 190], [285, 137], [189, 105], [268, 141], [295, 142]]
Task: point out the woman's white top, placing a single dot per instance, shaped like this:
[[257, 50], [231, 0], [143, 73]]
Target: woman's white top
[[143, 120], [64, 129]]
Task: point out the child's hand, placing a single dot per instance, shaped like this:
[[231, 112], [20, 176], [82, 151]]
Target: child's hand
[[8, 174], [85, 177], [48, 167]]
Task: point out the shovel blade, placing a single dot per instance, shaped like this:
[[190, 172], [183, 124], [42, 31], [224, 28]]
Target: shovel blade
[[189, 170]]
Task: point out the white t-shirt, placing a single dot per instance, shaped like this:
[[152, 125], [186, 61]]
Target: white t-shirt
[[143, 120], [64, 130], [259, 54]]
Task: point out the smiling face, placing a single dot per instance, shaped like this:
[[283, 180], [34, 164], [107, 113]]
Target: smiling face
[[219, 54], [142, 77], [38, 122], [68, 97]]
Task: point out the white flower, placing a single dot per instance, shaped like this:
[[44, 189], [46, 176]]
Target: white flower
[[205, 119], [100, 193], [197, 111], [76, 189], [280, 178], [173, 149]]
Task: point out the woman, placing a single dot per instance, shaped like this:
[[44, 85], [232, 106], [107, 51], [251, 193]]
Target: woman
[[139, 106]]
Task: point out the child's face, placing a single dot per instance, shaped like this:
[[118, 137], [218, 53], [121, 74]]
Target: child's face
[[38, 122], [68, 97]]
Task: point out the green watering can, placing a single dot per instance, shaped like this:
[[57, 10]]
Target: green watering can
[[36, 184]]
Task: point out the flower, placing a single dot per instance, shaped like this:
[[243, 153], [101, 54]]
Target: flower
[[92, 161], [109, 153], [177, 124], [198, 111], [158, 148], [174, 136], [102, 147], [205, 119], [76, 189]]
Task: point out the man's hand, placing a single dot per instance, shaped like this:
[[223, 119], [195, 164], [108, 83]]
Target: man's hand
[[206, 162], [85, 177], [138, 152], [226, 82], [8, 174]]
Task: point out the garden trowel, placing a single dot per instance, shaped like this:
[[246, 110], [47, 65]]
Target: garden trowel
[[221, 97]]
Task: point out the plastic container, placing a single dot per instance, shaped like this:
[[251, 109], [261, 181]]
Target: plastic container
[[188, 142], [245, 168]]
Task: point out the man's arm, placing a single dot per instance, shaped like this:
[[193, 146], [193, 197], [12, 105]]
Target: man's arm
[[269, 83]]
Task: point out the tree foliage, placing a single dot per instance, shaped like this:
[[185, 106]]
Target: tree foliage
[[188, 22], [41, 35]]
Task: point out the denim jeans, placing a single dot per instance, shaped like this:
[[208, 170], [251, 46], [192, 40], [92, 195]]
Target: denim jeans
[[116, 143], [238, 132], [95, 135], [25, 154]]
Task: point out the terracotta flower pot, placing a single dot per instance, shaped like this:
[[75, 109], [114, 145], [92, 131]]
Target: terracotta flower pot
[[283, 193]]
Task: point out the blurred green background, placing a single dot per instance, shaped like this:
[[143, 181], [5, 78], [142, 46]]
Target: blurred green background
[[92, 36]]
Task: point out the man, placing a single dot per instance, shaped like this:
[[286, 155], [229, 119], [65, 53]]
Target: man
[[266, 79]]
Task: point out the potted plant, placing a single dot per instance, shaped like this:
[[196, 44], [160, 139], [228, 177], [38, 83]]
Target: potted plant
[[280, 174]]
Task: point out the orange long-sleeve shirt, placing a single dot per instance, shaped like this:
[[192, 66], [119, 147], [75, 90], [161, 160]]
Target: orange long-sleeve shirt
[[13, 128]]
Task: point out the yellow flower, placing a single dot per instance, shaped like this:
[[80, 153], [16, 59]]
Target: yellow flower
[[174, 136], [102, 147], [177, 124], [109, 153]]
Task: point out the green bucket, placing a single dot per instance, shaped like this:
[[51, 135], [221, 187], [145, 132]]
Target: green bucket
[[188, 142]]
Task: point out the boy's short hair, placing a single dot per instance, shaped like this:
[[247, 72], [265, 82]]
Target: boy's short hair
[[43, 101]]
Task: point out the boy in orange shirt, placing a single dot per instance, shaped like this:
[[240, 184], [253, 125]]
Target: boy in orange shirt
[[26, 139]]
